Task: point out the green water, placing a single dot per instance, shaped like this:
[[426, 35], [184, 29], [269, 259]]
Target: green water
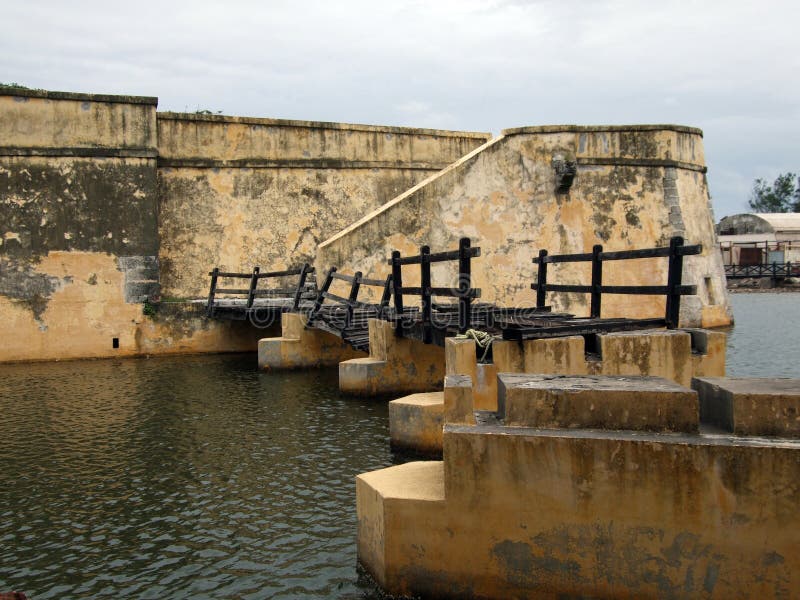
[[199, 477], [181, 478]]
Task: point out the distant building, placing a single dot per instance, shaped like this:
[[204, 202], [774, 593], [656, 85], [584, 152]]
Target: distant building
[[757, 239]]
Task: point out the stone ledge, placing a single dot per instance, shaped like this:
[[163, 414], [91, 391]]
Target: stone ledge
[[51, 95], [419, 480], [596, 402], [601, 129], [80, 152], [297, 163], [268, 122]]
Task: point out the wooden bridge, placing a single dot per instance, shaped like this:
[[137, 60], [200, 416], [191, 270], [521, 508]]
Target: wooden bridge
[[346, 316]]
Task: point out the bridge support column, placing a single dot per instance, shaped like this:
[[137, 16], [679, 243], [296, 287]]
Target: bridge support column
[[415, 422], [299, 347], [394, 364], [678, 355], [579, 492]]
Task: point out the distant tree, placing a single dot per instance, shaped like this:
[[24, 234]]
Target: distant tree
[[782, 196]]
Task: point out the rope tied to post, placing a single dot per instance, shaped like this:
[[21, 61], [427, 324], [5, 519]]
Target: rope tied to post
[[483, 339]]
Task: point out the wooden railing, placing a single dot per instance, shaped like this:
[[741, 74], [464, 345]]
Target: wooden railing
[[348, 317], [350, 304], [673, 290], [463, 291], [775, 270], [252, 292]]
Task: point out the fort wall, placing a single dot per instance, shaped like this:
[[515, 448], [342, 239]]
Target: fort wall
[[237, 192], [633, 187], [107, 206]]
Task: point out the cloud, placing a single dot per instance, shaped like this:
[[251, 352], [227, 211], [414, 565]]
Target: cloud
[[727, 67]]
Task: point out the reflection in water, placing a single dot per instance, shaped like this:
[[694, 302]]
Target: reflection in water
[[765, 340], [181, 477]]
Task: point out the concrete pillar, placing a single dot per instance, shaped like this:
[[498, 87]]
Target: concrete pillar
[[299, 347], [594, 486], [415, 423], [395, 364]]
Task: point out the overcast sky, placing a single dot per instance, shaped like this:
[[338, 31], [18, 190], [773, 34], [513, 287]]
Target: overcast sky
[[730, 68]]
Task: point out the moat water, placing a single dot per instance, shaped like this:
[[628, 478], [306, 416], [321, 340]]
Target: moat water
[[199, 477]]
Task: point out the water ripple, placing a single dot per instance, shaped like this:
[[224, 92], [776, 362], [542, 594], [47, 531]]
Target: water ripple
[[181, 477]]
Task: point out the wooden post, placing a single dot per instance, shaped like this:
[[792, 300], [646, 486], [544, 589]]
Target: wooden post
[[541, 280], [425, 284], [212, 291], [321, 296], [300, 285], [597, 281], [464, 285], [251, 295], [397, 284], [387, 294], [674, 275], [356, 285]]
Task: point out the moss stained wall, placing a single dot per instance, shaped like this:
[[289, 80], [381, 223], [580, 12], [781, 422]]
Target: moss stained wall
[[104, 205], [635, 187], [238, 192], [78, 223]]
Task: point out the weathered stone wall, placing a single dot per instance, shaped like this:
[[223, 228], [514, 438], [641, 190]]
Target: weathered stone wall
[[79, 225], [635, 187], [239, 192], [104, 204]]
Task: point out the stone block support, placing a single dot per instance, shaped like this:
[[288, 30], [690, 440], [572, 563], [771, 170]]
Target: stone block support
[[677, 355], [592, 401], [674, 355], [461, 359], [415, 423], [394, 364], [523, 511], [299, 347], [750, 406]]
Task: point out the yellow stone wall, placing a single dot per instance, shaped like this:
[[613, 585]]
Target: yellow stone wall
[[105, 204], [635, 187], [239, 192]]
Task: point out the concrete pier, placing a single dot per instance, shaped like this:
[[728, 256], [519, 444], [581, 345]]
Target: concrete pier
[[299, 348], [394, 364], [524, 510], [676, 355]]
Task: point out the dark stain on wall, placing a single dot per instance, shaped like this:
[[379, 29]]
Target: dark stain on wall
[[20, 281], [87, 205]]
